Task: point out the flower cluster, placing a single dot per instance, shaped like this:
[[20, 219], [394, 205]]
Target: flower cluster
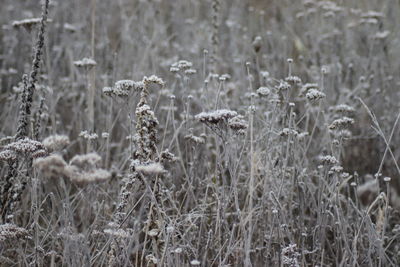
[[123, 88], [11, 232], [216, 116], [56, 142], [81, 170], [342, 123], [85, 63], [24, 147]]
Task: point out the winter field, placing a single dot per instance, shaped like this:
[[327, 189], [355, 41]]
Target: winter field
[[200, 133]]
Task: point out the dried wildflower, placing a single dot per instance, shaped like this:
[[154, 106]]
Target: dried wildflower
[[88, 136], [87, 177], [85, 63], [237, 124], [194, 139], [39, 153], [6, 140], [263, 91], [293, 79], [328, 160], [343, 109], [314, 95], [11, 232], [167, 156], [8, 155], [304, 89], [174, 69], [341, 123], [29, 83], [123, 88], [336, 169], [147, 122], [56, 142], [343, 134], [184, 64], [25, 146], [282, 86], [51, 166], [86, 161], [151, 168], [216, 116], [109, 91], [153, 80]]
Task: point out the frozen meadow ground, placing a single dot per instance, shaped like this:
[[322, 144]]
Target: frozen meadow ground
[[199, 133]]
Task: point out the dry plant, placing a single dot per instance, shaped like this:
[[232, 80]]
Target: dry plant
[[270, 140]]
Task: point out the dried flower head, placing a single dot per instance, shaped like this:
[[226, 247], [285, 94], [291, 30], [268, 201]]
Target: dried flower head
[[282, 86], [11, 232], [341, 123], [56, 142], [123, 88], [314, 95], [304, 89], [343, 109], [88, 136], [216, 116], [87, 63], [167, 156], [194, 139], [84, 177], [8, 155], [184, 64], [86, 161], [263, 91], [238, 124], [82, 169], [328, 160], [293, 79], [153, 79], [25, 146], [151, 168], [52, 166]]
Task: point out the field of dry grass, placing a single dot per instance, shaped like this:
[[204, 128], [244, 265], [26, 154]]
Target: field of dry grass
[[200, 133]]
